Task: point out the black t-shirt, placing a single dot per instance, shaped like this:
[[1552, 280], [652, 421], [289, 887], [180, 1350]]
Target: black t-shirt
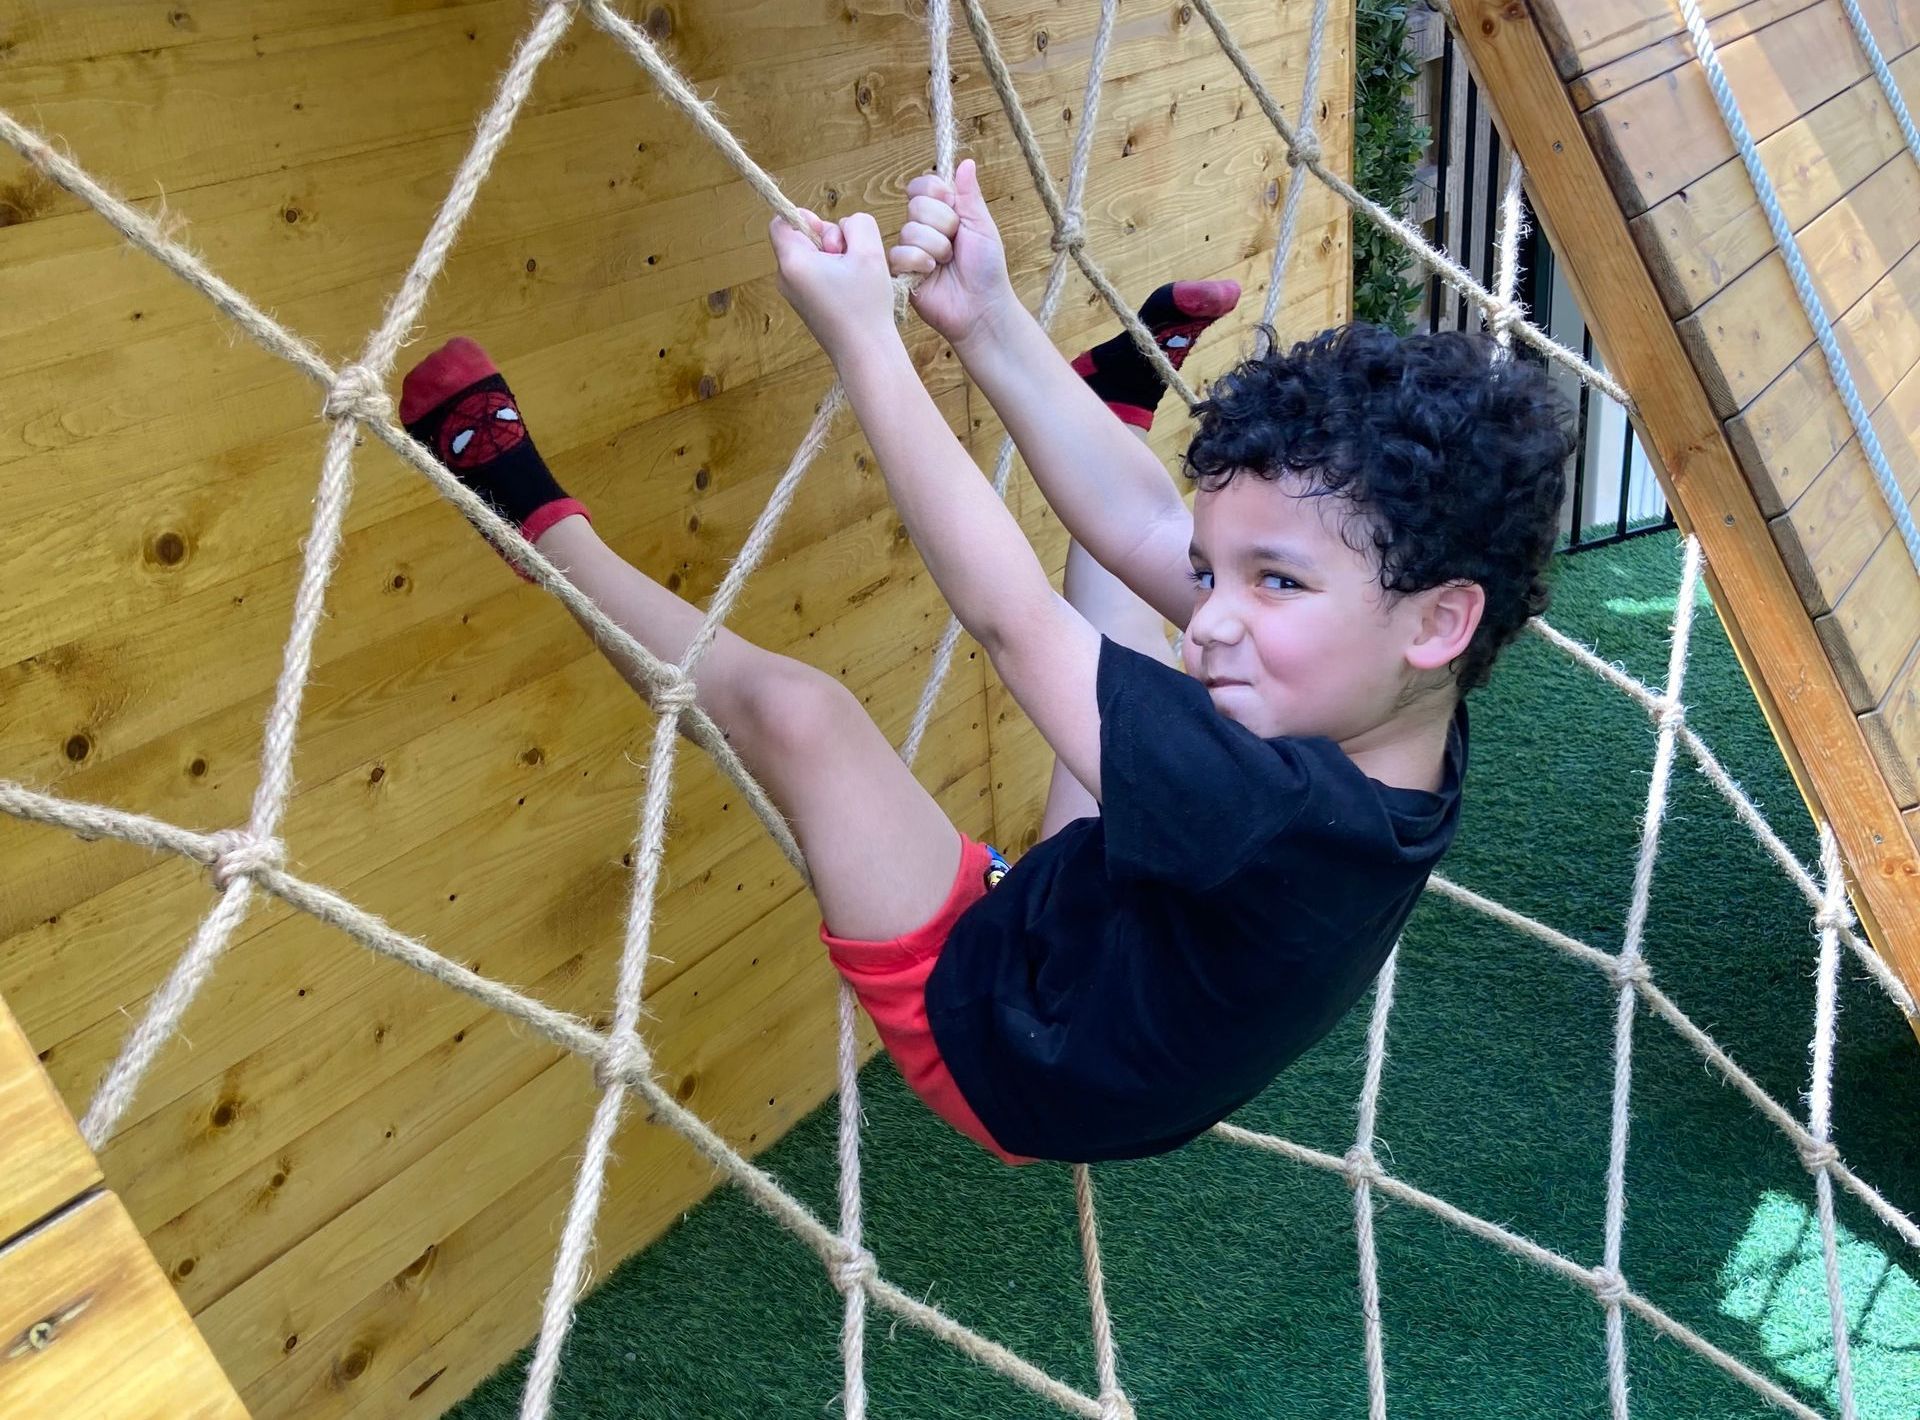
[[1141, 975]]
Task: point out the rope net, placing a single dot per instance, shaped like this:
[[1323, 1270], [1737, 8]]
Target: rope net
[[249, 859]]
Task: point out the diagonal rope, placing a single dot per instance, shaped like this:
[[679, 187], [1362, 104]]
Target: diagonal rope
[[1789, 246], [1456, 277], [356, 390]]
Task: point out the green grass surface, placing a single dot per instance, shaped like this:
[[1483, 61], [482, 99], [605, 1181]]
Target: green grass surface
[[1232, 1274]]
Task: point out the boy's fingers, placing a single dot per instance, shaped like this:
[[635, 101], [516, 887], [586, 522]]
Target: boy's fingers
[[934, 243], [862, 234], [910, 261], [934, 213], [966, 198], [931, 185]]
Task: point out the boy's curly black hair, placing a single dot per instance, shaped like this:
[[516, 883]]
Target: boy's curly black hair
[[1452, 460]]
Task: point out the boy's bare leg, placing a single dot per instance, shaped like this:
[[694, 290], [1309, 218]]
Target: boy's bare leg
[[1116, 613], [881, 852], [1177, 314]]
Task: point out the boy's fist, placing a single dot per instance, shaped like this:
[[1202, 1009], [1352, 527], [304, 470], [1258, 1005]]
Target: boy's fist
[[951, 242], [841, 289]]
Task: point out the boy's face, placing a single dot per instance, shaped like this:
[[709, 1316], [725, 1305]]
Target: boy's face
[[1291, 631]]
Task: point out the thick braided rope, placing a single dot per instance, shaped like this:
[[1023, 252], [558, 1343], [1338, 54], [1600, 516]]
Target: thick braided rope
[[1789, 246], [240, 857], [1889, 86]]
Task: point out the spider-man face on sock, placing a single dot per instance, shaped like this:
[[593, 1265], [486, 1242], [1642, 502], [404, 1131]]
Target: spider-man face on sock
[[481, 427]]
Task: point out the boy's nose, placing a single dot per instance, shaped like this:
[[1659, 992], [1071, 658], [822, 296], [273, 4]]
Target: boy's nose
[[1216, 622]]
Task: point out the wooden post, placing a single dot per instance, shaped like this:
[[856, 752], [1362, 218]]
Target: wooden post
[[1777, 644]]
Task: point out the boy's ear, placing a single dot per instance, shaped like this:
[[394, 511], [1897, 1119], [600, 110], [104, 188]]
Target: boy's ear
[[1448, 616]]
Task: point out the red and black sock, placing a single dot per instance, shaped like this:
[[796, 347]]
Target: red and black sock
[[1177, 314], [457, 403]]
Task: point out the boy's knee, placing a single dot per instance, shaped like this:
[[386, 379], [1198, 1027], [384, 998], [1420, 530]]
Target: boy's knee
[[794, 709]]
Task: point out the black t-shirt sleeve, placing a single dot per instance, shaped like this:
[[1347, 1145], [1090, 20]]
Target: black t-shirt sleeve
[[1187, 795]]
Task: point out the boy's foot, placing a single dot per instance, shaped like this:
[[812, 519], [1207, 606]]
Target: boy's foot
[[1177, 314], [457, 403]]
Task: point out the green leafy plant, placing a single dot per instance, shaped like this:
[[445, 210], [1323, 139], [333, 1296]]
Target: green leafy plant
[[1387, 146]]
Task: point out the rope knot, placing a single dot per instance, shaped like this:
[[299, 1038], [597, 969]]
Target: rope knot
[[853, 1267], [1673, 714], [1114, 1406], [1630, 970], [624, 1056], [1071, 234], [1305, 148], [357, 393], [675, 696], [1817, 1154], [1362, 1166], [1609, 1286], [1838, 918], [1501, 315], [239, 854]]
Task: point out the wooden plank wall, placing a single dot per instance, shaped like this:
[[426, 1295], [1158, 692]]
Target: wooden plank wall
[[352, 1176], [88, 1322], [1638, 185]]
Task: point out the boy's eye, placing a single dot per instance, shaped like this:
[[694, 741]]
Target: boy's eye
[[1279, 582], [1201, 578]]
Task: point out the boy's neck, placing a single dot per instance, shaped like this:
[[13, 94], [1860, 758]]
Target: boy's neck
[[1408, 751]]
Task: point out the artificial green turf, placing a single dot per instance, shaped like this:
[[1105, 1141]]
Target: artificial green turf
[[1231, 1274]]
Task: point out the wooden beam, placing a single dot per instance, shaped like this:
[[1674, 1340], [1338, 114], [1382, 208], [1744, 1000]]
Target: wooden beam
[[1782, 654]]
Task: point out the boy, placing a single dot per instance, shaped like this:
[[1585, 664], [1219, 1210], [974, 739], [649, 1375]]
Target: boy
[[1247, 839]]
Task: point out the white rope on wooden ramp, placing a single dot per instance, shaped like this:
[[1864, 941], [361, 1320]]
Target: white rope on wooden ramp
[[250, 858]]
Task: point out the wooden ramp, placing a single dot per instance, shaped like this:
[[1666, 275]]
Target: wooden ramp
[[88, 1322], [1638, 184]]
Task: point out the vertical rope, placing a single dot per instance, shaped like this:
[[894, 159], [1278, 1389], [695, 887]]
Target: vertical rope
[[1114, 1404], [1364, 1169], [1513, 226], [1306, 142], [1810, 302], [853, 1323], [1049, 309], [1834, 919], [1630, 969]]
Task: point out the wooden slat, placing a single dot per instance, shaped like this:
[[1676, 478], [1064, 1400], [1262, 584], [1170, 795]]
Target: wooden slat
[[1863, 254], [1796, 684], [44, 1162], [92, 1329], [1655, 139], [1707, 234], [1665, 55], [1585, 37]]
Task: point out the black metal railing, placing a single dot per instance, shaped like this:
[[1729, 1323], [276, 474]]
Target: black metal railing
[[1605, 504]]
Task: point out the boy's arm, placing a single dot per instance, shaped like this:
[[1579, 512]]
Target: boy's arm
[[1045, 652], [1110, 491]]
